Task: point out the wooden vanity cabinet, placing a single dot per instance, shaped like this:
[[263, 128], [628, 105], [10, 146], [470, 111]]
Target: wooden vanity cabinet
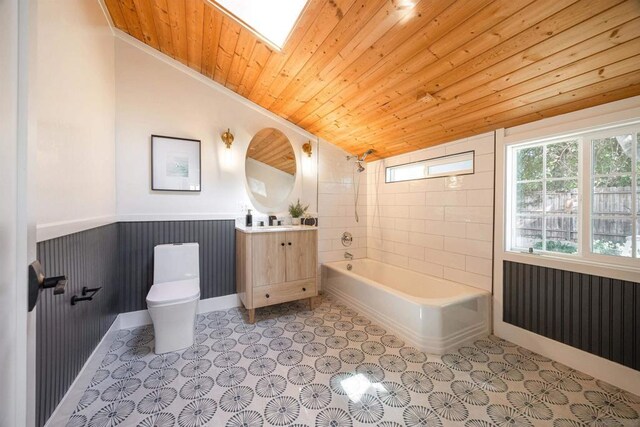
[[275, 267]]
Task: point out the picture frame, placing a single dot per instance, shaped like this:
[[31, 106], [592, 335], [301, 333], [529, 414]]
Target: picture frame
[[175, 164]]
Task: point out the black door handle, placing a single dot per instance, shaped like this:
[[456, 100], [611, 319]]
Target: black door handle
[[304, 289], [282, 243], [267, 295], [289, 243]]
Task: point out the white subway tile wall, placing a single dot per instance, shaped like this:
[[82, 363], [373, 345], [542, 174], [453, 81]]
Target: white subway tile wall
[[336, 201], [442, 226]]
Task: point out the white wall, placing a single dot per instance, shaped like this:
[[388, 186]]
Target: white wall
[[156, 95], [76, 114], [441, 226]]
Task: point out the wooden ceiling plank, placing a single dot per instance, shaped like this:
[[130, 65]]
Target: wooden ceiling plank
[[408, 38], [328, 19], [259, 58], [495, 116], [210, 39], [479, 110], [554, 25], [372, 18], [271, 70], [241, 56], [145, 16], [113, 7], [178, 22], [490, 45], [412, 65], [546, 89], [163, 27], [229, 36], [608, 46], [130, 14], [195, 22], [518, 117]]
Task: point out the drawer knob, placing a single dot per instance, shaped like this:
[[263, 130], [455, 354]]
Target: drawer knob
[[304, 289], [282, 243], [267, 295], [289, 243]]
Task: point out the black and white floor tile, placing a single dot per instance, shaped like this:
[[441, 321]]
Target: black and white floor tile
[[332, 367]]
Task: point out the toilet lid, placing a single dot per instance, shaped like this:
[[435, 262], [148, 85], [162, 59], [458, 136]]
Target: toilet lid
[[173, 292]]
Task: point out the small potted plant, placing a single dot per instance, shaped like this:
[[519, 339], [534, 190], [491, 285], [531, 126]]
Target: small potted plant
[[296, 211]]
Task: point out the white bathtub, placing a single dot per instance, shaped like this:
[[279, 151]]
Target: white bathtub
[[429, 313]]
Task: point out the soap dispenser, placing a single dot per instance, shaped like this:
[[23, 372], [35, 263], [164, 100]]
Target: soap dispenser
[[249, 220]]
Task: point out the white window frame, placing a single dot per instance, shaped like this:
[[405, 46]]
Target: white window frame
[[436, 161], [585, 195], [511, 186]]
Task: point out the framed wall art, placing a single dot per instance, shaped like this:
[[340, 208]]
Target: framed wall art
[[175, 164]]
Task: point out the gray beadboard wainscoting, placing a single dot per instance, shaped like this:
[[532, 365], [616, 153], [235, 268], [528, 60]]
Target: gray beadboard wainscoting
[[66, 335], [592, 313], [217, 256], [119, 258]]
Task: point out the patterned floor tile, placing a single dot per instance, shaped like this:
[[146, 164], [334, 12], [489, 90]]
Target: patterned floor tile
[[333, 367]]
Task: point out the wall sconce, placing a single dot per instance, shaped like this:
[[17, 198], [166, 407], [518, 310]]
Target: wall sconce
[[307, 148], [227, 138]]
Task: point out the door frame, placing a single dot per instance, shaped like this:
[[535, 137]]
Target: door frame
[[17, 217]]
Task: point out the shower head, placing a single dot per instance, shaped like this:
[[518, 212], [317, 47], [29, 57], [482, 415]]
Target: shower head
[[366, 153], [360, 167]]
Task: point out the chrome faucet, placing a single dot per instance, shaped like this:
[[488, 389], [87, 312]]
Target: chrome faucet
[[348, 255]]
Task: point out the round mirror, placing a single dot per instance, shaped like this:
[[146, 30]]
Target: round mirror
[[270, 168]]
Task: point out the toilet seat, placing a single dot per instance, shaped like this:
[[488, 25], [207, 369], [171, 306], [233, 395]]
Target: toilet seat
[[175, 292]]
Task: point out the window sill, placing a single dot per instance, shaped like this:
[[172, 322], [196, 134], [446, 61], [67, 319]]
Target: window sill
[[578, 265]]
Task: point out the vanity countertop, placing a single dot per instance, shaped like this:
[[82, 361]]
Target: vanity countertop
[[274, 229]]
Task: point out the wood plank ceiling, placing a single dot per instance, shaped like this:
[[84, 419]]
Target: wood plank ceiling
[[367, 74]]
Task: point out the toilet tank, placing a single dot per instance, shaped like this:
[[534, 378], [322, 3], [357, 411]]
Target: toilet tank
[[176, 261]]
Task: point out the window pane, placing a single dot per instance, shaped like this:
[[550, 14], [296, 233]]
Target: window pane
[[527, 232], [529, 197], [562, 196], [529, 163], [451, 165], [562, 234], [451, 168], [612, 236], [612, 196], [562, 160], [612, 155]]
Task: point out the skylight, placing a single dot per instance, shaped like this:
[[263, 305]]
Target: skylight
[[271, 20]]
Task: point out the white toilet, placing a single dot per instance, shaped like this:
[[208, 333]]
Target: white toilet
[[173, 299]]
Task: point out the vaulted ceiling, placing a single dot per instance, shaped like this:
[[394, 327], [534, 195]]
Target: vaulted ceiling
[[371, 74]]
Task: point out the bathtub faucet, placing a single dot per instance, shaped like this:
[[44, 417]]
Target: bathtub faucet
[[348, 256]]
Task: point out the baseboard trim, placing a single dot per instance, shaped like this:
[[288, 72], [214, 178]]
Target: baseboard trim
[[133, 319], [614, 373], [60, 415]]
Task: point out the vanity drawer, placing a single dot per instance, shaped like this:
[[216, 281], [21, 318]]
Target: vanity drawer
[[283, 292]]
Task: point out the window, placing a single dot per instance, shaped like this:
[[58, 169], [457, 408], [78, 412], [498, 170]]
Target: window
[[546, 197], [455, 164], [577, 195], [271, 20]]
